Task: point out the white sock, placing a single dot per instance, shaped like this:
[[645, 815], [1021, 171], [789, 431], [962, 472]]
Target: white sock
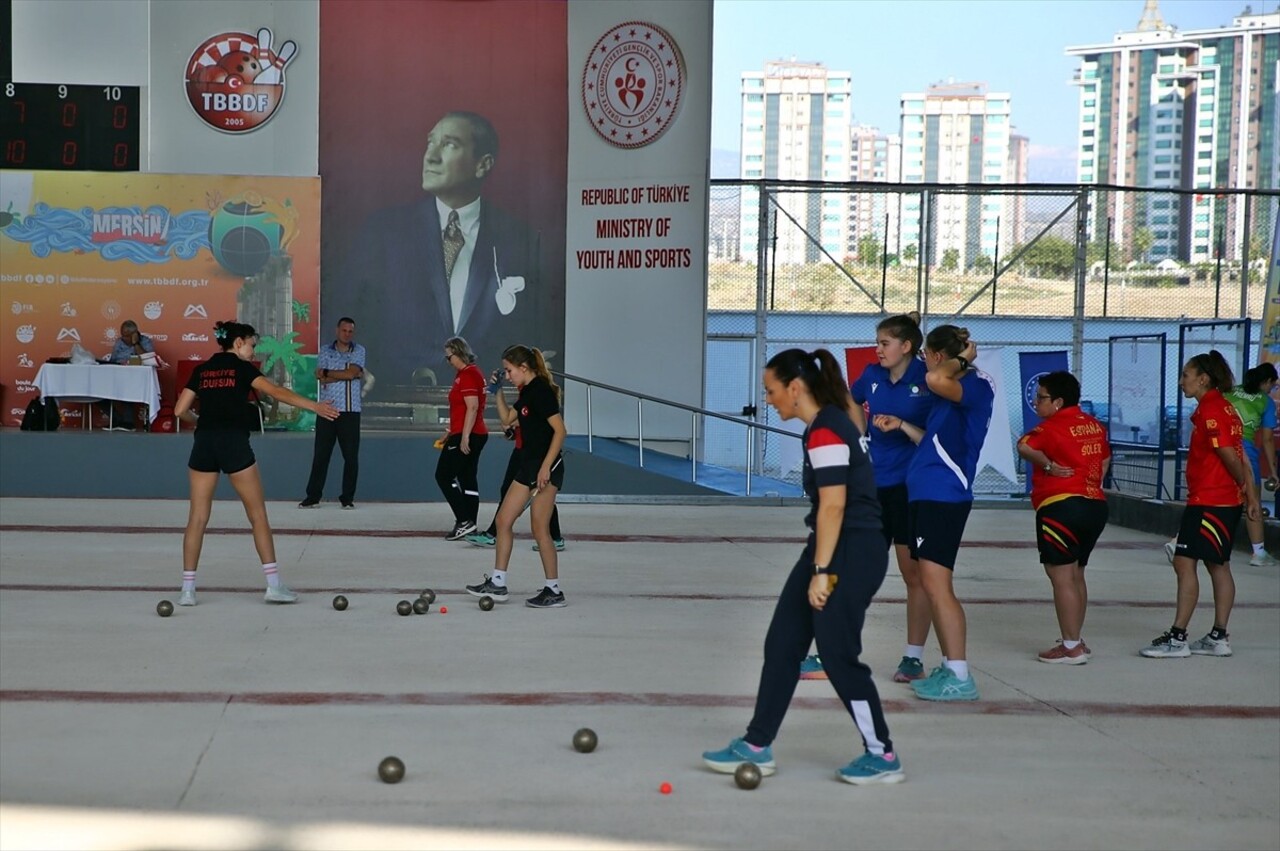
[[959, 667], [1260, 548], [1070, 645], [499, 578], [915, 651], [188, 580], [554, 585], [272, 572]]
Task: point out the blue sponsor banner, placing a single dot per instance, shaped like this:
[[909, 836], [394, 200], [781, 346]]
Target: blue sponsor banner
[[1032, 365]]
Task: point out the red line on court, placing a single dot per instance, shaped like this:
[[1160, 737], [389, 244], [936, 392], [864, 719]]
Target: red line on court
[[609, 539], [695, 597], [647, 699]]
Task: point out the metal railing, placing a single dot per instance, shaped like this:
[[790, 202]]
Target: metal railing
[[698, 417]]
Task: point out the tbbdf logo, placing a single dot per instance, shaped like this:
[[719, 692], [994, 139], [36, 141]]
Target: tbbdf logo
[[632, 83], [235, 81]]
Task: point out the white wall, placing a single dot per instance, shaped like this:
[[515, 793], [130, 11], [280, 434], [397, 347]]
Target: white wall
[[288, 145], [81, 41], [642, 329]]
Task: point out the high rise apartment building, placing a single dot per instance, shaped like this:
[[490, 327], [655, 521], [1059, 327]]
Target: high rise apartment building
[[874, 157], [796, 118], [957, 133], [1189, 109]]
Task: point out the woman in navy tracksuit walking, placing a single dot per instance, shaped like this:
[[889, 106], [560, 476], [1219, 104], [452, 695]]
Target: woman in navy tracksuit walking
[[826, 595]]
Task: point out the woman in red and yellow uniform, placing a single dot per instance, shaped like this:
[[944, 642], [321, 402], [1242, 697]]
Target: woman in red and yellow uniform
[[1219, 480], [1069, 454]]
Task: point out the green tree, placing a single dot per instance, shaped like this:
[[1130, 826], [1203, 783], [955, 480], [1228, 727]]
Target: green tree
[[1143, 239], [950, 260], [869, 250], [1049, 256], [910, 253], [982, 264], [1096, 252]]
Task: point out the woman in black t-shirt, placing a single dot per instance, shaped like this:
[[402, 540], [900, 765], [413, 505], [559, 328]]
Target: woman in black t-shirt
[[222, 385], [539, 477]]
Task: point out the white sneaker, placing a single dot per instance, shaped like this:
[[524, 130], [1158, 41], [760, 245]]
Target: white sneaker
[[187, 598], [1166, 647], [280, 594], [1263, 559], [1210, 646], [1170, 547]]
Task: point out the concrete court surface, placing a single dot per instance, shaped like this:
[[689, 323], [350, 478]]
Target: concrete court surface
[[241, 725]]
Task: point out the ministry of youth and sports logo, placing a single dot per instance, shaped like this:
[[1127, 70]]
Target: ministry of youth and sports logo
[[632, 84]]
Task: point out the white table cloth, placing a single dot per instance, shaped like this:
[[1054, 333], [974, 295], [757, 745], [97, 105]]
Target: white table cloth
[[90, 382]]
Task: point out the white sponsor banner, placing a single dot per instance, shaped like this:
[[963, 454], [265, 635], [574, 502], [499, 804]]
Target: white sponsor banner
[[639, 137]]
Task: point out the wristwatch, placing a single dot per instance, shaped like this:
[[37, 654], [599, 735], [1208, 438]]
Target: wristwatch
[[820, 569], [964, 363], [1048, 465], [326, 373]]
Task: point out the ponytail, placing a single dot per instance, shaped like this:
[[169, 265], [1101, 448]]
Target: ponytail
[[1214, 365], [537, 364], [226, 333], [819, 370]]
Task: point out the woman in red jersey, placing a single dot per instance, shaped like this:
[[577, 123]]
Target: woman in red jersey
[[1218, 481], [1069, 454], [457, 471]]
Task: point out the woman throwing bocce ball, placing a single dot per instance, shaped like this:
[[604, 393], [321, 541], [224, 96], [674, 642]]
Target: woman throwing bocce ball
[[221, 445], [826, 595], [541, 474]]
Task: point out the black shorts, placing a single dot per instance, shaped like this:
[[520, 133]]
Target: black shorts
[[894, 514], [221, 451], [1208, 532], [528, 473], [1067, 529], [935, 530]]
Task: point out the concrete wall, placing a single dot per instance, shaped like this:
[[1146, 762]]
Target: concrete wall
[[393, 468]]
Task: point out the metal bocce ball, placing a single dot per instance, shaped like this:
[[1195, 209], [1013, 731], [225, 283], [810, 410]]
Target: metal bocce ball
[[340, 603], [404, 607], [164, 608], [747, 776], [428, 595], [391, 770], [584, 741], [421, 606], [486, 604]]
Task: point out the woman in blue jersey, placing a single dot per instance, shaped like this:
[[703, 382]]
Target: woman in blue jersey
[[896, 394], [827, 593], [940, 494]]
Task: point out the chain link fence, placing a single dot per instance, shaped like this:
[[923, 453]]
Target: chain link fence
[[1025, 267]]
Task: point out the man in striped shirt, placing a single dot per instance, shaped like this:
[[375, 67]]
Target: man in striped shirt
[[339, 370]]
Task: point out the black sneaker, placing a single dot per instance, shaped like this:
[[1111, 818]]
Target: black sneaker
[[546, 599], [348, 505], [460, 531], [488, 589], [309, 503]]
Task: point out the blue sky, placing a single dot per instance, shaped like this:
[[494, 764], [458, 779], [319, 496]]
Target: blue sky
[[896, 46]]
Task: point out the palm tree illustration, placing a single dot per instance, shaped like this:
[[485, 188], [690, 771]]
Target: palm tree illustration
[[302, 311], [281, 359]]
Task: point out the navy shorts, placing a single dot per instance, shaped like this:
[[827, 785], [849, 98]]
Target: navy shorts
[[1208, 532], [1068, 529], [894, 514], [936, 529], [529, 467], [221, 451]]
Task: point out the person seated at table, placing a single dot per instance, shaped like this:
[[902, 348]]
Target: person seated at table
[[130, 344]]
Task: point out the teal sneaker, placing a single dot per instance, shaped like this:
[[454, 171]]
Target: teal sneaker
[[936, 673], [869, 769], [909, 670], [738, 752], [480, 539], [946, 687], [559, 542], [811, 668]]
